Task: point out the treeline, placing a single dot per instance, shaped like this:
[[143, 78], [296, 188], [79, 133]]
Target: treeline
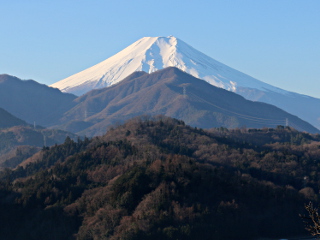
[[156, 178]]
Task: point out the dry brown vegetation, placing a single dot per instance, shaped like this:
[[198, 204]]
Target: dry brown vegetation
[[156, 178]]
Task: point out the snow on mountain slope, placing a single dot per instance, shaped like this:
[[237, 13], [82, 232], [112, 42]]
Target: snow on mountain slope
[[150, 54]]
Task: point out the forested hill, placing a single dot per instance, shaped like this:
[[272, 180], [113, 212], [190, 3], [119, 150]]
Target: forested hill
[[19, 142], [156, 178]]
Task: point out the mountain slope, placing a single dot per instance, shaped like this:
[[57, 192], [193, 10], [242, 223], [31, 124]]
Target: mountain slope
[[158, 178], [177, 94], [153, 53], [19, 142], [32, 101], [8, 120], [150, 54]]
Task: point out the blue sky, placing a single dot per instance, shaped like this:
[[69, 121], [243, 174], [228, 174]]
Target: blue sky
[[275, 41]]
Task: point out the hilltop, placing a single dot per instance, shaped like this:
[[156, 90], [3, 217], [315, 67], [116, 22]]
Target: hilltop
[[157, 178]]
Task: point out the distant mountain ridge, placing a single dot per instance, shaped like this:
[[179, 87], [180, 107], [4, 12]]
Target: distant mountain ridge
[[32, 101], [154, 53], [150, 54], [8, 120], [173, 93], [16, 141]]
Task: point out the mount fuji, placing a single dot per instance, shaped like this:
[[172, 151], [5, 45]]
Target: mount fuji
[[150, 54]]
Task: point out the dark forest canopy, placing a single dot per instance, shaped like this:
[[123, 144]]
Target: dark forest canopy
[[157, 178]]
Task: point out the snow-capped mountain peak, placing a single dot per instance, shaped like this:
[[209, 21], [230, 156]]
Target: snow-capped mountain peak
[[150, 54]]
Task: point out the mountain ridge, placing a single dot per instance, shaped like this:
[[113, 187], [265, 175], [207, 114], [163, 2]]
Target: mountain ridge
[[8, 120], [173, 93], [32, 101], [153, 53], [157, 178]]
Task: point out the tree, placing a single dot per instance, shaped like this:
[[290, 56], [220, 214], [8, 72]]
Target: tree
[[312, 220]]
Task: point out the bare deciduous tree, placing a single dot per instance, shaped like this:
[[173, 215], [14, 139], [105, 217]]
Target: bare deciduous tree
[[312, 220]]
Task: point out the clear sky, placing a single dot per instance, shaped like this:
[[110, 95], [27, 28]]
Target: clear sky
[[275, 41]]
